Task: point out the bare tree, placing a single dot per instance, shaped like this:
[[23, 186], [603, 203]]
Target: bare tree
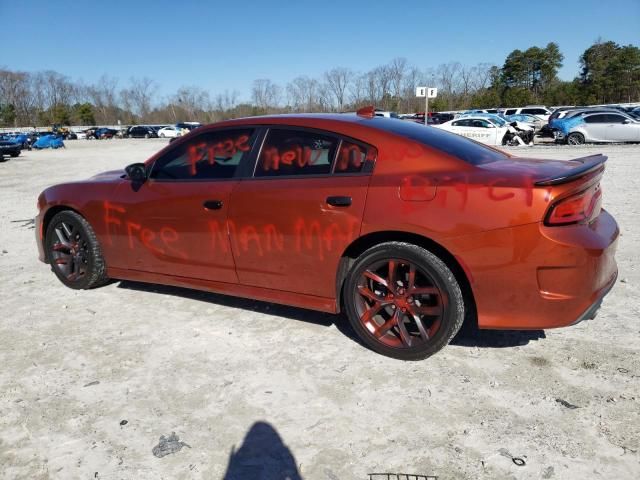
[[193, 100], [265, 94], [448, 77], [138, 96], [382, 77], [302, 93], [337, 82], [397, 71], [482, 77], [104, 98], [15, 90], [358, 90], [414, 78]]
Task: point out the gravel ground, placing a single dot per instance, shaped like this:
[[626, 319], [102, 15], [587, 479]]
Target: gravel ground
[[93, 384]]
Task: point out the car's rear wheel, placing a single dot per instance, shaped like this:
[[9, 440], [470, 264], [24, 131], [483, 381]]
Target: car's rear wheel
[[73, 251], [15, 154], [403, 301], [575, 138]]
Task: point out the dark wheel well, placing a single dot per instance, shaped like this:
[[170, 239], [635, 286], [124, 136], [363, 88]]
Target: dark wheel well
[[365, 242]]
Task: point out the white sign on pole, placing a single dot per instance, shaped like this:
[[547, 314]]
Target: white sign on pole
[[421, 91], [432, 92]]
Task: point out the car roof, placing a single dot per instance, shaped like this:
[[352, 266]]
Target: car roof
[[349, 124]]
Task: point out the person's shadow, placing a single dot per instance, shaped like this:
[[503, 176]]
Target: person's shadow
[[262, 456]]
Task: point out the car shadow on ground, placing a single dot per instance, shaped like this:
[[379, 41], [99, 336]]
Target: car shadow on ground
[[468, 337]]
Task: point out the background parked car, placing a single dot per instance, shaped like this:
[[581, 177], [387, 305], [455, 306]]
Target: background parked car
[[188, 125], [9, 147], [141, 131], [169, 132], [79, 134], [535, 122], [477, 128], [538, 110], [103, 133], [603, 128]]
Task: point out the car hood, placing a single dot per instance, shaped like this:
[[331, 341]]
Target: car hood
[[112, 175]]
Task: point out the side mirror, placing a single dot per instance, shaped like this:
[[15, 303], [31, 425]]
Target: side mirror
[[137, 172], [626, 120]]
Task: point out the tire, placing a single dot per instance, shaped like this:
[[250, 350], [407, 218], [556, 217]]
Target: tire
[[162, 135], [146, 135], [413, 319], [575, 138], [15, 154], [70, 241]]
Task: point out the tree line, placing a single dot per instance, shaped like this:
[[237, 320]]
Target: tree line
[[609, 73]]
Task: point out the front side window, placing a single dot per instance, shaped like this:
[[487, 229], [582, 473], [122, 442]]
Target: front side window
[[613, 118], [480, 124], [296, 152], [212, 155], [510, 111], [596, 119]]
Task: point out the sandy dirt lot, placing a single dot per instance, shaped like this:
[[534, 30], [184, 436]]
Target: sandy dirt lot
[[90, 380]]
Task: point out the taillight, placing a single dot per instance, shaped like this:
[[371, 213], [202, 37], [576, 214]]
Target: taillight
[[578, 208]]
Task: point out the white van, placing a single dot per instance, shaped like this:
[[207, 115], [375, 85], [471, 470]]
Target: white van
[[539, 111]]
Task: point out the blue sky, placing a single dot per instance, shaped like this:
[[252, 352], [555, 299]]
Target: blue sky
[[226, 45]]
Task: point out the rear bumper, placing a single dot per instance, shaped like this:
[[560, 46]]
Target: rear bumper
[[592, 311], [537, 277]]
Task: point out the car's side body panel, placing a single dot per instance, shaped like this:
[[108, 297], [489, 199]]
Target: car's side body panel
[[164, 227], [278, 239], [285, 235]]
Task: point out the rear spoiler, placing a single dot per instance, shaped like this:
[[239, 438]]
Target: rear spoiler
[[588, 164]]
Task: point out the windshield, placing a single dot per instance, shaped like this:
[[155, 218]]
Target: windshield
[[455, 145]]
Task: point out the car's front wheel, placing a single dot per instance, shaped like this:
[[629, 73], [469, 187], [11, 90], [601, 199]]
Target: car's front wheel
[[73, 251], [575, 138], [403, 301]]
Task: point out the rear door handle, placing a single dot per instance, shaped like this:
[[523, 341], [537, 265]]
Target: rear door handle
[[212, 204], [339, 201]]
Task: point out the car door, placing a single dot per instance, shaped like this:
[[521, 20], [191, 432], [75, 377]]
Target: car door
[[459, 127], [619, 131], [175, 222], [483, 131], [292, 220], [596, 127]]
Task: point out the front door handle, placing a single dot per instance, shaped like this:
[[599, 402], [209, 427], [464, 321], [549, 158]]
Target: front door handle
[[212, 204], [339, 201]]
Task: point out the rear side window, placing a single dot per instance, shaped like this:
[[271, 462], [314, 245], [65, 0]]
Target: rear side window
[[296, 152], [447, 142], [352, 157], [213, 155]]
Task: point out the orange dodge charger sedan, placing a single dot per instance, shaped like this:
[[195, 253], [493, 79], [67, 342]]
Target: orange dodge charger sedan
[[409, 230]]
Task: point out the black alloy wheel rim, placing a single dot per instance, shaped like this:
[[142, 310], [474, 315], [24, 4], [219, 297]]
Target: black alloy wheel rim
[[69, 251]]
